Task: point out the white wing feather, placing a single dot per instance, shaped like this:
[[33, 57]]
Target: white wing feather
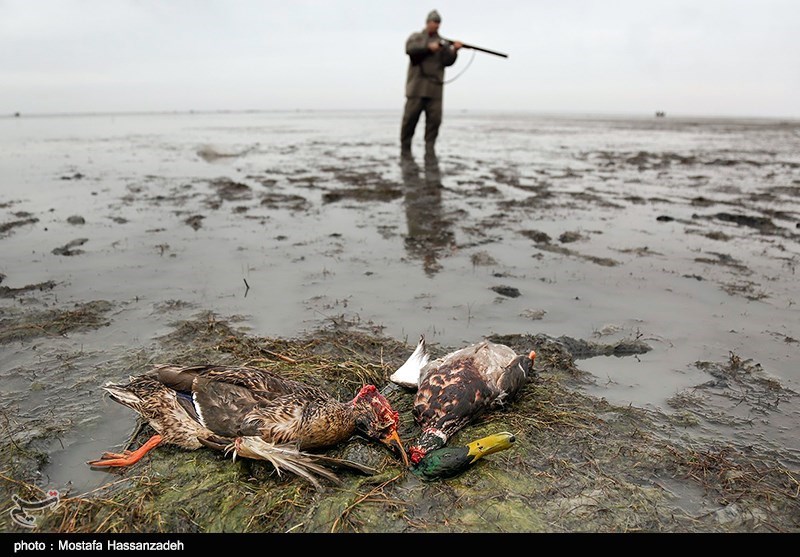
[[409, 373]]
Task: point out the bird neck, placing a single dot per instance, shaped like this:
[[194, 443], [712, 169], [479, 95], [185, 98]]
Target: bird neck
[[430, 440], [347, 418], [326, 425]]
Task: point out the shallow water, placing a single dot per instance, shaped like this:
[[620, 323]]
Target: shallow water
[[401, 252]]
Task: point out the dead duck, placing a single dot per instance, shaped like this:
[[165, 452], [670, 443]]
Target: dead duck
[[252, 413], [454, 390]]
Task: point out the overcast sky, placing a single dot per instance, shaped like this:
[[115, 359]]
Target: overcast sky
[[699, 57]]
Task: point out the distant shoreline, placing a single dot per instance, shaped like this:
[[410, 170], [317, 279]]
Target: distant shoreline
[[452, 113]]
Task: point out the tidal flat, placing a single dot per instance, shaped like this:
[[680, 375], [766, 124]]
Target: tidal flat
[[650, 262]]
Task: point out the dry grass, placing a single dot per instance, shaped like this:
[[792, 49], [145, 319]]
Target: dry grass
[[54, 322]]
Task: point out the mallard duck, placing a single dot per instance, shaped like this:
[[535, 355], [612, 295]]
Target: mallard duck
[[450, 461], [252, 412], [457, 388]]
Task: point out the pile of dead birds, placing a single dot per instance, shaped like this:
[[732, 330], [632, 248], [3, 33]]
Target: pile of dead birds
[[577, 463]]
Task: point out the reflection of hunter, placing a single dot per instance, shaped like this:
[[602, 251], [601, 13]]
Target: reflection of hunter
[[429, 234], [428, 57]]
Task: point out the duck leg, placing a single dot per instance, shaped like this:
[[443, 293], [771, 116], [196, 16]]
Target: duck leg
[[109, 460], [124, 454]]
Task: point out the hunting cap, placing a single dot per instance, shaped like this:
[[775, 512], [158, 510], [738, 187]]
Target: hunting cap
[[434, 16]]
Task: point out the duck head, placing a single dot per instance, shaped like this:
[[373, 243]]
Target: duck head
[[376, 419], [525, 363], [447, 462]]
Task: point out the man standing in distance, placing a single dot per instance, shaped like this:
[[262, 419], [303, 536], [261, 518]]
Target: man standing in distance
[[428, 57]]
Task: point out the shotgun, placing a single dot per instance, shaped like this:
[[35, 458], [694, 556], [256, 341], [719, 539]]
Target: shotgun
[[448, 42]]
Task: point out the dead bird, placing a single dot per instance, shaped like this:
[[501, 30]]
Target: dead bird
[[454, 390], [447, 462], [252, 413]]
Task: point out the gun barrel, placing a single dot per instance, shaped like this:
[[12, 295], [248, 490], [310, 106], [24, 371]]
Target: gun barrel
[[486, 50], [480, 48]]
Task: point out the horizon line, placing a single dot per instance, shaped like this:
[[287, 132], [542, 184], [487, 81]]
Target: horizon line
[[571, 113]]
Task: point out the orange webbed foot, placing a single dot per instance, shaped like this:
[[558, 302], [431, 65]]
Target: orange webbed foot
[[126, 458]]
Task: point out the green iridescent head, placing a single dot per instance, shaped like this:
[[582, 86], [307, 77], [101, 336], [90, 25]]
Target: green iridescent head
[[450, 461]]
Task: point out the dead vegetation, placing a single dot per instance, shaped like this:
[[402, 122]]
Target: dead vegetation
[[739, 390], [24, 326], [9, 292]]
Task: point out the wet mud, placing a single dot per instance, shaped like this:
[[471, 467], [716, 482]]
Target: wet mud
[[651, 265]]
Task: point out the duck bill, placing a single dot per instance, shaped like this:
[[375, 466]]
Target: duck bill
[[392, 441], [490, 444]]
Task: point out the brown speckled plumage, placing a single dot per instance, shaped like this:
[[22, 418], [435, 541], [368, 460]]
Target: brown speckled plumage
[[159, 406], [217, 404], [253, 413], [459, 387]]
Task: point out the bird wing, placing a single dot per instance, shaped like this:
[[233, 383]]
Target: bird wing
[[181, 378], [463, 384], [279, 420], [243, 401], [451, 396], [409, 374], [502, 370], [222, 407], [506, 382]]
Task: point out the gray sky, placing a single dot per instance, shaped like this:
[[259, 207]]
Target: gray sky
[[699, 57]]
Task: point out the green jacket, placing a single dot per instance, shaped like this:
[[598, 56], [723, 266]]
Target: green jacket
[[426, 68]]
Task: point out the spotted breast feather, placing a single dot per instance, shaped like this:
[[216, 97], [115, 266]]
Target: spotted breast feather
[[457, 388]]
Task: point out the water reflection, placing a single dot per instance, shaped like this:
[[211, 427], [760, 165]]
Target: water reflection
[[429, 234]]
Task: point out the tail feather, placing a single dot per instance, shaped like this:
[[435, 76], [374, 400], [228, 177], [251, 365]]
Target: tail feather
[[177, 378], [343, 464], [284, 458], [120, 394], [409, 373]]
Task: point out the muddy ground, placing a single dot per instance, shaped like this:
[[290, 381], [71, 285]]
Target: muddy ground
[[650, 263]]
